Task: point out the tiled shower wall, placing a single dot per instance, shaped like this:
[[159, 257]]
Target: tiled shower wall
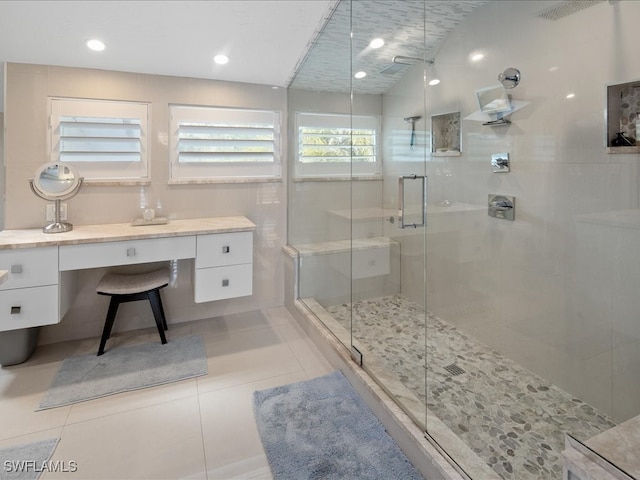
[[556, 289]]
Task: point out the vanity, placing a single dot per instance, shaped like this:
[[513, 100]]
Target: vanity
[[41, 282]]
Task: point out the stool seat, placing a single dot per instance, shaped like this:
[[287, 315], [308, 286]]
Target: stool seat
[[131, 287], [122, 284]]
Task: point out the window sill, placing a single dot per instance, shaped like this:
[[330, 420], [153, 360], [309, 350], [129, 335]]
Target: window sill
[[205, 181], [116, 182], [328, 178]]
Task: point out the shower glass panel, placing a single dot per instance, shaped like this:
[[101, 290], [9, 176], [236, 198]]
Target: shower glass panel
[[496, 333], [320, 190], [389, 205]]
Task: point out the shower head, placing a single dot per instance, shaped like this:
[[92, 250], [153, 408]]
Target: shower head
[[399, 62], [412, 119], [404, 60]]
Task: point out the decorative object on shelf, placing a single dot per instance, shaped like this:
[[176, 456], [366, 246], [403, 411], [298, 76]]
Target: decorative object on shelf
[[621, 140], [56, 181], [510, 78], [623, 101], [149, 215]]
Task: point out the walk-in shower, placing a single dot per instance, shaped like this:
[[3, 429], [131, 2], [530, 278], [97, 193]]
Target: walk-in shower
[[496, 337]]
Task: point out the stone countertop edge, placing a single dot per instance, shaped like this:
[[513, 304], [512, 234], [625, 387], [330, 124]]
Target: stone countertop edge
[[81, 234]]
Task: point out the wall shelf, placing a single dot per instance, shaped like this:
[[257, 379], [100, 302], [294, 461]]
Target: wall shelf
[[490, 120], [635, 149]]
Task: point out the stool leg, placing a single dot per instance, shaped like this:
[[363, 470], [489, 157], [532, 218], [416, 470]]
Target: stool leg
[[158, 313], [164, 318], [108, 324]]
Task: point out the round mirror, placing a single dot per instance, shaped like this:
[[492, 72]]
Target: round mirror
[[56, 180], [510, 78]]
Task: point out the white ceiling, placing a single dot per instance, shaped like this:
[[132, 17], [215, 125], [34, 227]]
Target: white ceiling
[[266, 40]]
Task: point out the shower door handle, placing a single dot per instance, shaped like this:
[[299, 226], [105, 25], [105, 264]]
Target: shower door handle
[[401, 208]]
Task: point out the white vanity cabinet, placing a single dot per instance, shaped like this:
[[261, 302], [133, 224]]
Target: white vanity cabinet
[[129, 252], [29, 297], [42, 268], [223, 266]]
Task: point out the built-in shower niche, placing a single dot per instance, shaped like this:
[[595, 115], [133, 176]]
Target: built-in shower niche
[[623, 109], [446, 135]]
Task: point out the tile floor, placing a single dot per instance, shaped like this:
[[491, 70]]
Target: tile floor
[[512, 418], [201, 428]]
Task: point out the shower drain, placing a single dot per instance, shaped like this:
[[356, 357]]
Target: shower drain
[[454, 369]]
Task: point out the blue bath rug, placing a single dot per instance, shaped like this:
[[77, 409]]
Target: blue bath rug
[[28, 461], [322, 429]]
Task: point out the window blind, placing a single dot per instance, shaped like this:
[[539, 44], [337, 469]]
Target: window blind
[[209, 143], [105, 140]]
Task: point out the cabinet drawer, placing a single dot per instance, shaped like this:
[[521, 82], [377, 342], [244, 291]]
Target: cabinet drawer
[[217, 250], [104, 254], [222, 282], [29, 267], [28, 307]]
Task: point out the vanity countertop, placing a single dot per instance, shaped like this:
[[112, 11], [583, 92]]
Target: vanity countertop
[[29, 238]]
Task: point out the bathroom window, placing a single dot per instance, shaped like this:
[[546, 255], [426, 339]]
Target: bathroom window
[[105, 140], [337, 145], [222, 144]]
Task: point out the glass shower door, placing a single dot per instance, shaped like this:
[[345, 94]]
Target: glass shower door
[[388, 208]]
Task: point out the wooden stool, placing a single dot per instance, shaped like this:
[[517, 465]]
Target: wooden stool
[[129, 288]]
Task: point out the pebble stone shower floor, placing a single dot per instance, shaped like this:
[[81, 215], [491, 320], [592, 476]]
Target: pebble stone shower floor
[[512, 418]]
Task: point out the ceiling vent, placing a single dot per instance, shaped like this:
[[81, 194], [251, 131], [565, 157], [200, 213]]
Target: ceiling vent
[[566, 8]]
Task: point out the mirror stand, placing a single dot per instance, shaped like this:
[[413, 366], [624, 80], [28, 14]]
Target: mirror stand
[[56, 182]]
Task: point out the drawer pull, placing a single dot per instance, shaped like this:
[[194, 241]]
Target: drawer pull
[[15, 310], [16, 268], [131, 252], [226, 249], [225, 282]]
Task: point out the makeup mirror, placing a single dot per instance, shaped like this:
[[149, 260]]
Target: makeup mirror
[[493, 99], [56, 181]]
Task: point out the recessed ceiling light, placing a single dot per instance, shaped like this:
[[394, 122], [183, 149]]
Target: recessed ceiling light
[[360, 74], [434, 81], [376, 43], [96, 45], [476, 57], [221, 59], [571, 95]]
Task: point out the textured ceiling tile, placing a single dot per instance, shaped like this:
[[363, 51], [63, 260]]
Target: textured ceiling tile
[[409, 28]]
